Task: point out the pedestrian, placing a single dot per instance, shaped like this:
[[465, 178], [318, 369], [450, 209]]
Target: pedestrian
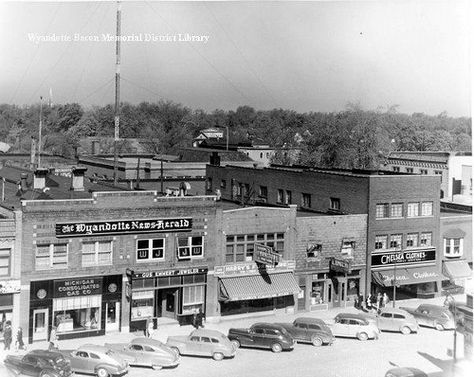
[[149, 328], [19, 344], [385, 299], [368, 302], [356, 302], [200, 318], [378, 303], [7, 335], [361, 302], [53, 339]]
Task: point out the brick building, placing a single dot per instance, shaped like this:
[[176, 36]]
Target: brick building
[[402, 214]]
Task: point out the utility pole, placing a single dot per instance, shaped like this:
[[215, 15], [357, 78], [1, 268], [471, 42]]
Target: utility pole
[[117, 92], [39, 132], [394, 283]]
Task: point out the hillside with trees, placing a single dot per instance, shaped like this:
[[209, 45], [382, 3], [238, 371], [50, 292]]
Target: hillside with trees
[[352, 138]]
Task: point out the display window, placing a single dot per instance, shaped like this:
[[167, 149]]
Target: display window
[[142, 304], [317, 293], [82, 313], [5, 315], [352, 289], [193, 299]]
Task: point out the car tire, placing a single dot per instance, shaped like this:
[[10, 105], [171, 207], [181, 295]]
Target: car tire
[[102, 372], [405, 330], [235, 343], [317, 341], [176, 349], [438, 326], [218, 356], [156, 367], [276, 347], [362, 336]]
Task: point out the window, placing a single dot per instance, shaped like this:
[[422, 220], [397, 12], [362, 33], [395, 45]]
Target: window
[[409, 170], [398, 316], [306, 200], [193, 298], [335, 204], [209, 184], [96, 253], [395, 241], [348, 247], [396, 168], [412, 209], [51, 256], [380, 242], [288, 197], [427, 209], [314, 250], [425, 239], [190, 247], [439, 172], [453, 247], [151, 249], [246, 188], [264, 192], [424, 171], [280, 196], [5, 261], [223, 184], [239, 248], [412, 239], [381, 211], [396, 210]]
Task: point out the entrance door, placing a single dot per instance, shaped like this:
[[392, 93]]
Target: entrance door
[[113, 316], [168, 300], [40, 324]]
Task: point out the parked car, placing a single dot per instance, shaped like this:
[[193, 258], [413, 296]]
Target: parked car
[[98, 360], [309, 330], [355, 326], [393, 319], [39, 363], [405, 372], [430, 315], [203, 342], [146, 352], [263, 335]]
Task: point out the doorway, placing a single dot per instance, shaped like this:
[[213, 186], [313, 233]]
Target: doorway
[[40, 324], [113, 316], [168, 302]]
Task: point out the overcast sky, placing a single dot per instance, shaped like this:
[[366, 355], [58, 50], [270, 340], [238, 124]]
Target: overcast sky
[[305, 56]]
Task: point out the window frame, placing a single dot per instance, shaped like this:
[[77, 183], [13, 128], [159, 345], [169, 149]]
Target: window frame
[[449, 247], [51, 257], [150, 250], [412, 237], [189, 245], [396, 210], [413, 209], [423, 207], [335, 204], [426, 236], [305, 200], [381, 239], [393, 238], [382, 211], [97, 252], [6, 253]]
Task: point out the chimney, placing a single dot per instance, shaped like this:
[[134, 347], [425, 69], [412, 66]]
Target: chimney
[[33, 154], [215, 159], [39, 181], [23, 186], [77, 182]]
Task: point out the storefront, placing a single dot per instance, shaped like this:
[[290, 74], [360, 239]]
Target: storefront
[[413, 271], [8, 291], [250, 287], [345, 280], [174, 294], [77, 307], [456, 273]]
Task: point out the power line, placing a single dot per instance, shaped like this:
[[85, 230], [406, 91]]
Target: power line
[[141, 87], [96, 90]]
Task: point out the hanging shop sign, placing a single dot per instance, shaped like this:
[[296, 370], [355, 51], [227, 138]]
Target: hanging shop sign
[[78, 287], [10, 286], [405, 257], [340, 265], [123, 227], [265, 255]]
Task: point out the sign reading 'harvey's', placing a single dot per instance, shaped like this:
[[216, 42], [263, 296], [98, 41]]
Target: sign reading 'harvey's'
[[122, 227]]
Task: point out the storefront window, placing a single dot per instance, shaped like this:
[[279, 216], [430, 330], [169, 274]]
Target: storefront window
[[240, 248], [77, 313], [6, 313], [142, 304], [5, 262], [193, 299], [317, 293]]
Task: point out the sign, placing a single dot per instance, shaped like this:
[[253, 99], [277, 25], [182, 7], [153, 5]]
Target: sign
[[10, 286], [409, 276], [250, 268], [405, 257], [264, 254], [340, 265], [164, 273], [77, 287], [123, 227]]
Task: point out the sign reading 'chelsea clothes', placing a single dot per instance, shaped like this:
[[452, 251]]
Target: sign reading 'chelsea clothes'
[[123, 227]]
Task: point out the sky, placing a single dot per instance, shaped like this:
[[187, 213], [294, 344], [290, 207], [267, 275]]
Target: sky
[[303, 56]]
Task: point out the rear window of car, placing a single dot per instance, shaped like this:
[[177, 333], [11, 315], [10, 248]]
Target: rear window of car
[[195, 339], [205, 339], [314, 327], [272, 332], [386, 315], [94, 356], [301, 325], [136, 347], [213, 340], [258, 331], [148, 349], [398, 316]]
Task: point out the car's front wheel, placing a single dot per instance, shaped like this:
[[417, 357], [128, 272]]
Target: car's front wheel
[[362, 336], [218, 356], [102, 372], [317, 341], [276, 347], [405, 330]]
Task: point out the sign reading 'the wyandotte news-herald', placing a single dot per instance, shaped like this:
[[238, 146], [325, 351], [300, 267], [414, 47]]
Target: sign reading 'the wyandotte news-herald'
[[123, 227]]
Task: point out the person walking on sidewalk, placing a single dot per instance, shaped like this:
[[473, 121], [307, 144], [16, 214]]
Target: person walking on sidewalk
[[385, 300], [53, 339], [198, 319], [7, 335], [19, 344]]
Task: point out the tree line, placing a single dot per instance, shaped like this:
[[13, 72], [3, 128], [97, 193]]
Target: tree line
[[351, 138]]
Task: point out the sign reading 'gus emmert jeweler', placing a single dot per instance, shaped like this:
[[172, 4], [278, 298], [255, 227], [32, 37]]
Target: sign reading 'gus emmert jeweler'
[[123, 227]]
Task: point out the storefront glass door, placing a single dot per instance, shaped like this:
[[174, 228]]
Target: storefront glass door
[[40, 324], [167, 299], [113, 316]]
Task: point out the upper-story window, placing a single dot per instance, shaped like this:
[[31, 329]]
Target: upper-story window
[[396, 168], [314, 250], [395, 241], [241, 247], [223, 184], [51, 256], [382, 211], [348, 248], [413, 209], [306, 200], [425, 239], [335, 204], [96, 253], [190, 247], [150, 249], [5, 262], [381, 242], [409, 170], [396, 210], [412, 239], [280, 196], [453, 247], [424, 171], [439, 172], [288, 199], [427, 209], [263, 192]]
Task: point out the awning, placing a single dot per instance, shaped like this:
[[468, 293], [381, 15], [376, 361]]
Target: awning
[[458, 269], [258, 286], [454, 233], [405, 276]]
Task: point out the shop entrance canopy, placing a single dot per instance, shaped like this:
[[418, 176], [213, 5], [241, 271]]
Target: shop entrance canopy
[[257, 286], [458, 269], [405, 276]]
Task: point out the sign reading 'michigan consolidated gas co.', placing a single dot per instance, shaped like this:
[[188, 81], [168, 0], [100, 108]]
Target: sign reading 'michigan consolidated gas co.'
[[122, 227]]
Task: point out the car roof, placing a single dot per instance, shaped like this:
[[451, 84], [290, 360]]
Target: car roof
[[268, 325], [207, 332], [309, 320], [148, 341], [394, 310], [93, 347], [44, 353], [432, 306], [353, 315]]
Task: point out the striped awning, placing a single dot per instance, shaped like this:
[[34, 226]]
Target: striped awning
[[257, 286], [458, 269]]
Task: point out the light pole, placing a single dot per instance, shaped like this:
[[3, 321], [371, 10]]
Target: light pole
[[394, 284], [455, 335], [227, 138]]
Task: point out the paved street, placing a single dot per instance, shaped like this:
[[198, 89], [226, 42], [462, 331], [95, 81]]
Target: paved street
[[426, 350]]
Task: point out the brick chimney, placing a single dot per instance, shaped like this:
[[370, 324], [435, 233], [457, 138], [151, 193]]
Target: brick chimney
[[77, 179], [39, 181]]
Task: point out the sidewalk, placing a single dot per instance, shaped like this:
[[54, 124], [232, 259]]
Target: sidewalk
[[165, 330]]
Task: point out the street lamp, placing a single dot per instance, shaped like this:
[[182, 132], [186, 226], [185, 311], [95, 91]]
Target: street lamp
[[453, 303], [395, 284]]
